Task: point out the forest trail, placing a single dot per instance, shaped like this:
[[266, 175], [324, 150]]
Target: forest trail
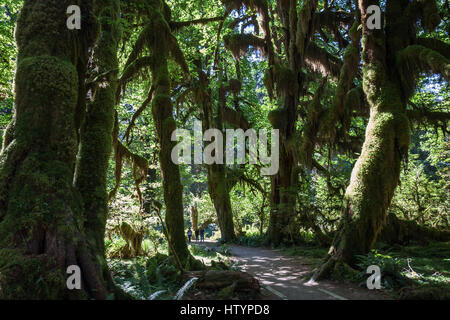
[[281, 276]]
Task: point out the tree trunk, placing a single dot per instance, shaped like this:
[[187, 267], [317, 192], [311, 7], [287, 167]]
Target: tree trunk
[[284, 183], [288, 79], [220, 196], [194, 218], [216, 173], [41, 212], [377, 171], [165, 124], [97, 130]]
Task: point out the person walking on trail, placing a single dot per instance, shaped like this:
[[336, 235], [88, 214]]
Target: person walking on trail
[[196, 234], [189, 234], [202, 235]]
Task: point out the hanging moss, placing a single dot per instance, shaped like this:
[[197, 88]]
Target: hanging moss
[[342, 105], [436, 45], [138, 163], [281, 79], [315, 113], [430, 14], [321, 61], [304, 25], [238, 44], [416, 59]]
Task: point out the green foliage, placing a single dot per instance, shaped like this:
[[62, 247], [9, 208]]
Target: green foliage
[[413, 272], [143, 276], [252, 239], [389, 266]]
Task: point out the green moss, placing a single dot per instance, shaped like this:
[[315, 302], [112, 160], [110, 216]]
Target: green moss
[[96, 138], [416, 59]]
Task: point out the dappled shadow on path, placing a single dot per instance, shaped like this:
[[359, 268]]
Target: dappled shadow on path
[[288, 276]]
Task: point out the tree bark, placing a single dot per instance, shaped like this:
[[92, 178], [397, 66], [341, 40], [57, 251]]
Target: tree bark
[[165, 124], [41, 212], [194, 217], [377, 171], [220, 196], [97, 130], [216, 173]]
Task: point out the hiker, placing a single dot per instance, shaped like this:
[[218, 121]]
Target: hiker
[[196, 235], [189, 234], [202, 235]]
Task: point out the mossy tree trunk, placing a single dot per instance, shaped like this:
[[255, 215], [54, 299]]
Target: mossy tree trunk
[[288, 80], [41, 212], [377, 170], [220, 194], [96, 138], [216, 173], [194, 217], [165, 124], [284, 184]]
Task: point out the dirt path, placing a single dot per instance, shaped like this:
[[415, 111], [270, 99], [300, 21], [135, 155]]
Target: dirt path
[[281, 277]]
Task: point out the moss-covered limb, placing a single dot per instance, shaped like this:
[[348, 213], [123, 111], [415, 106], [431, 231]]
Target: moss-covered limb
[[139, 45], [123, 154], [436, 45], [138, 112], [41, 231], [235, 118], [96, 134], [432, 117], [398, 231], [415, 59], [134, 68], [178, 25], [238, 44], [236, 176], [8, 135], [262, 7], [331, 19]]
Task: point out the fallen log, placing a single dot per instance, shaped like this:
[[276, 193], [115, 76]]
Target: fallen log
[[219, 279]]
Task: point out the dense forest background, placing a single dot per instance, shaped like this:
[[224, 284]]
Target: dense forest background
[[87, 115]]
